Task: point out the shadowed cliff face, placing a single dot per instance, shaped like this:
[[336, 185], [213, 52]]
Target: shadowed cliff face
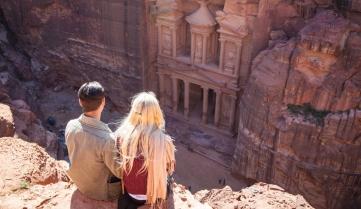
[[70, 42], [300, 120]]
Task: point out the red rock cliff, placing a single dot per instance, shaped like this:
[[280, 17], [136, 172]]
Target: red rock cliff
[[70, 42], [300, 117]]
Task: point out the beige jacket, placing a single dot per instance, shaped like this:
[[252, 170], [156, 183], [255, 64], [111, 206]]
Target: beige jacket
[[91, 147]]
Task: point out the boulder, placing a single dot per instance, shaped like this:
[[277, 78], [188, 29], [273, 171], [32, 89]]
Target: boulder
[[259, 196], [7, 127], [24, 164], [29, 127]]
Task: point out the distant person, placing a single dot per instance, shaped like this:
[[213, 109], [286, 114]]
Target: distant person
[[91, 147], [147, 153]]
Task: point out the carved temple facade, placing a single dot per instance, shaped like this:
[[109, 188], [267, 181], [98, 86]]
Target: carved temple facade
[[199, 65]]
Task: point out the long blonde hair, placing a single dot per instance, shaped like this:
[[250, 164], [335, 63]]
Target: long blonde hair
[[142, 133]]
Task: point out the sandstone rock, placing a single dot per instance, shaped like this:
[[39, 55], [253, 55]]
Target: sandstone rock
[[49, 140], [20, 104], [299, 115], [23, 164], [3, 34], [28, 127], [21, 63], [4, 97], [182, 198], [276, 37], [7, 127], [257, 196], [76, 42], [54, 196]]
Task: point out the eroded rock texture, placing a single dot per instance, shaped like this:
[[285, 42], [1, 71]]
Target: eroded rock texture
[[24, 163], [7, 126], [70, 42], [259, 196], [300, 120]]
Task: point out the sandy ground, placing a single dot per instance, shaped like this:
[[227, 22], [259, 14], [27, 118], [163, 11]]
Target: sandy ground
[[200, 173]]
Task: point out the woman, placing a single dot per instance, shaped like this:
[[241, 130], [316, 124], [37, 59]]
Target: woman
[[147, 153]]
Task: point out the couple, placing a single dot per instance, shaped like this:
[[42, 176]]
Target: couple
[[132, 164]]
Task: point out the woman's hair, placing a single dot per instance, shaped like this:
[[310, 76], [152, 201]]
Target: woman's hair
[[142, 134]]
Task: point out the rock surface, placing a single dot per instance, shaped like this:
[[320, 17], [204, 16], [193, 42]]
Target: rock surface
[[23, 164], [79, 41], [17, 120], [300, 115], [7, 126], [257, 196], [30, 128]]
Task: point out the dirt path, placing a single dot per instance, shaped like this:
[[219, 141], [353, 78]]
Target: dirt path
[[201, 173]]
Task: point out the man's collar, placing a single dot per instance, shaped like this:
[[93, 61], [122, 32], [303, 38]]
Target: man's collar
[[93, 122]]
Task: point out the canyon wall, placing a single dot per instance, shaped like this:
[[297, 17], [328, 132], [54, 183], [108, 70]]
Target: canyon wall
[[300, 116], [70, 42], [298, 112]]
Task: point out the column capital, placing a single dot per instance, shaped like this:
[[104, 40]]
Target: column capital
[[205, 87], [217, 91]]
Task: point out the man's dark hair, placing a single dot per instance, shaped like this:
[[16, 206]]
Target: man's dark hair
[[91, 95]]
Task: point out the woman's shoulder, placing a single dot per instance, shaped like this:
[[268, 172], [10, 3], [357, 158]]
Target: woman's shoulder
[[169, 141]]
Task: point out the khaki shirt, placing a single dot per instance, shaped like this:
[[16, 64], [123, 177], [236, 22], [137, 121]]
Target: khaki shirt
[[91, 147]]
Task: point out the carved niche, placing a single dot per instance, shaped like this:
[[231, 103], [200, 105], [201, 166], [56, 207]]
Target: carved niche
[[305, 8], [203, 35], [231, 34], [171, 33]]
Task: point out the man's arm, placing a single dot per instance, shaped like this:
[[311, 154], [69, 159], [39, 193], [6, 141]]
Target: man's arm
[[111, 159]]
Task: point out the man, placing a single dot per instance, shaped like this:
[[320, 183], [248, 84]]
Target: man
[[91, 147]]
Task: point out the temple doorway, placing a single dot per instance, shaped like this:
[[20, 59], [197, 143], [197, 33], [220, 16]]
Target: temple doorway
[[195, 101], [180, 84], [211, 106]]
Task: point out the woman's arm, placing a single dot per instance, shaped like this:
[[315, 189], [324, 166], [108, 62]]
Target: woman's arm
[[170, 151]]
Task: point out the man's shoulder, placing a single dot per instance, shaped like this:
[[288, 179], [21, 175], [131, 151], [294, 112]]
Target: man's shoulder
[[72, 124], [100, 135]]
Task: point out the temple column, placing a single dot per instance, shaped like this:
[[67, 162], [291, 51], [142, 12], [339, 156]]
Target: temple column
[[238, 62], [175, 94], [174, 44], [221, 54], [204, 49], [205, 105], [218, 107], [192, 47], [161, 89], [232, 112], [186, 98]]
